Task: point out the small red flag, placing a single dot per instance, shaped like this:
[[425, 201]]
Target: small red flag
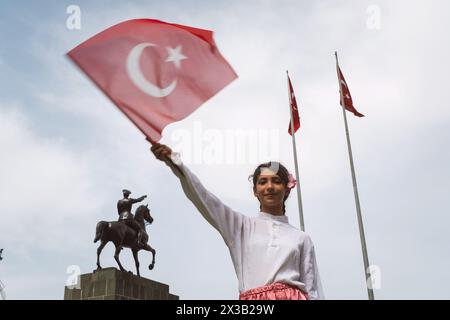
[[294, 108], [348, 102], [154, 72]]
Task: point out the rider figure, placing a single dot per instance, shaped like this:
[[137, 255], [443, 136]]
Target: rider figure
[[124, 209]]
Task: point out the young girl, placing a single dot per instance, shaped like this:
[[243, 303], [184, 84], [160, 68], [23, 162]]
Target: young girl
[[272, 259]]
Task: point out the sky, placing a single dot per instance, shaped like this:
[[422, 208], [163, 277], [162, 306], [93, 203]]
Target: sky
[[67, 152]]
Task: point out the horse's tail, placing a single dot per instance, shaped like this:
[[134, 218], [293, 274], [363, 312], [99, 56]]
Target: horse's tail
[[101, 226]]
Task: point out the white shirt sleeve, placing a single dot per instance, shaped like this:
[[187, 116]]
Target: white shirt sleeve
[[228, 222], [309, 272]]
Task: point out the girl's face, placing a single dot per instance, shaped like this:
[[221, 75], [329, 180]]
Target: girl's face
[[270, 191]]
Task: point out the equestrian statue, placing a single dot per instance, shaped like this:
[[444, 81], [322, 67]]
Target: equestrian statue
[[128, 232]]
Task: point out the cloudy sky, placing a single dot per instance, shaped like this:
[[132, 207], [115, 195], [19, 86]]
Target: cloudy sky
[[66, 151]]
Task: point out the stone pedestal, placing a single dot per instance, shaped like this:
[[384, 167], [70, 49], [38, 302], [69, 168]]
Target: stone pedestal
[[113, 284]]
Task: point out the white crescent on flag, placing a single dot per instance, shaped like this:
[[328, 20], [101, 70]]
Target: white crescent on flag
[[137, 77]]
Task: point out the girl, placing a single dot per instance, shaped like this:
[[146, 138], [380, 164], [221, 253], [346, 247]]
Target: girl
[[272, 259]]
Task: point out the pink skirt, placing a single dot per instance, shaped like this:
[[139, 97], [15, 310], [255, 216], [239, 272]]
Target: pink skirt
[[274, 291]]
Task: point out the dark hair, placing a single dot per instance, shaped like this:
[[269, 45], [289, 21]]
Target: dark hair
[[280, 170]]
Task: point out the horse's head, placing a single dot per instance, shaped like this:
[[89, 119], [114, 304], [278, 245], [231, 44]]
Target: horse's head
[[143, 212]]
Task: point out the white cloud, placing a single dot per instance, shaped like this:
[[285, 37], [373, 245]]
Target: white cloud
[[43, 183]]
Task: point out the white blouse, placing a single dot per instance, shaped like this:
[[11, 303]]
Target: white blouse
[[264, 249]]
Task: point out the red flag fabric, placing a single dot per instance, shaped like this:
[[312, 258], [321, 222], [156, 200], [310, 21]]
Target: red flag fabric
[[348, 102], [294, 108], [154, 72]]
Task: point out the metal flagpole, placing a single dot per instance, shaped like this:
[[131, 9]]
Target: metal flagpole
[[299, 192], [2, 287], [2, 291], [355, 190]]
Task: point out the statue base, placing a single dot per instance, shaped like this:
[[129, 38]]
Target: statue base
[[113, 284]]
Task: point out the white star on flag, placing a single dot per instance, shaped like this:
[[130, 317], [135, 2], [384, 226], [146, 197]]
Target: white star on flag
[[175, 55]]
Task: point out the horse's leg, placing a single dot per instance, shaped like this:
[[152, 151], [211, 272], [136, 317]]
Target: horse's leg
[[136, 261], [99, 251], [153, 251], [116, 256]]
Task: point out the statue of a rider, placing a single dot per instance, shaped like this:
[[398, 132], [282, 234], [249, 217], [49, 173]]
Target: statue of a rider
[[124, 209]]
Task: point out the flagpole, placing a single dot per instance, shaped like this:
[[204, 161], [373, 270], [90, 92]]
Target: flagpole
[[355, 191], [294, 147]]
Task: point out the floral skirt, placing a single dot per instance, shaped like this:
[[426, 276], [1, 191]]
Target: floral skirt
[[274, 291]]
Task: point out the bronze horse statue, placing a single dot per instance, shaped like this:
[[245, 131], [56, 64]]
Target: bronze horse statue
[[124, 236]]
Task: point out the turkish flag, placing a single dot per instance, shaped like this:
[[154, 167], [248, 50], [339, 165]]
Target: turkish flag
[[348, 102], [294, 109], [154, 72]]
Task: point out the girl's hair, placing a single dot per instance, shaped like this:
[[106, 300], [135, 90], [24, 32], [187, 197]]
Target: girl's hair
[[280, 170]]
